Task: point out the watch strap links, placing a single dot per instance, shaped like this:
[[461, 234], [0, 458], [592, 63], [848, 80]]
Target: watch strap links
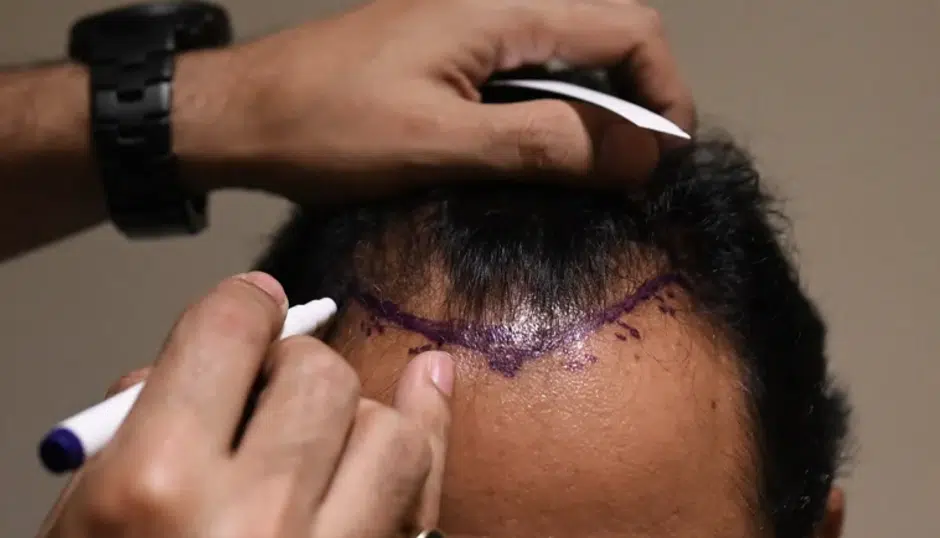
[[130, 53]]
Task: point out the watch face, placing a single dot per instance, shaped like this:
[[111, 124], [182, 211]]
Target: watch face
[[183, 26], [153, 10], [202, 27]]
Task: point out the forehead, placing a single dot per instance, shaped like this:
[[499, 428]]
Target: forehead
[[636, 427]]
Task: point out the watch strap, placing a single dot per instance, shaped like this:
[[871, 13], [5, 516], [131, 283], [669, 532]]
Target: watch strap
[[130, 54], [130, 112]]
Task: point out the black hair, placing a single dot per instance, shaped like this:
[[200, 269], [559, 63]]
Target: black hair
[[705, 211], [705, 215]]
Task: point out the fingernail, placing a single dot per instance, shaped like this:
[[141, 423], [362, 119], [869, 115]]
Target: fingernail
[[128, 380], [267, 284], [441, 371]]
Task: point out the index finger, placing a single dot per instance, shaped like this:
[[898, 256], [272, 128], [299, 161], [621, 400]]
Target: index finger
[[201, 381], [649, 74]]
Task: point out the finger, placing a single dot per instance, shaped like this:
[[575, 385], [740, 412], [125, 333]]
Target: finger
[[549, 136], [600, 34], [302, 419], [423, 395], [387, 460], [198, 387], [124, 382], [650, 76]]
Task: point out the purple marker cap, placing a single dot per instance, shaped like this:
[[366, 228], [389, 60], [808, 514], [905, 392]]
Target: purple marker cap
[[61, 451]]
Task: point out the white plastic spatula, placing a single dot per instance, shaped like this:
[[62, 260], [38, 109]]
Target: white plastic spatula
[[635, 114]]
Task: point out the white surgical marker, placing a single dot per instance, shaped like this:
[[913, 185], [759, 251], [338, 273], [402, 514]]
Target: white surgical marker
[[78, 438]]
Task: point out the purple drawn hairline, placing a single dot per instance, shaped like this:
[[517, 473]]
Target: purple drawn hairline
[[500, 344]]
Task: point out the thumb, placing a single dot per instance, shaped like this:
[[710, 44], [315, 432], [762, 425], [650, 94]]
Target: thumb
[[555, 137], [423, 395]]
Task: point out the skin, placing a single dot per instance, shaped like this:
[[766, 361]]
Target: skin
[[313, 448], [648, 440], [351, 106]]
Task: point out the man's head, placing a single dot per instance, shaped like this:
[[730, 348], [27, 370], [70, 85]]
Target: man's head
[[628, 365]]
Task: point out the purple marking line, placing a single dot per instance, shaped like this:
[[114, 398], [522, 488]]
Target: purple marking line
[[503, 352]]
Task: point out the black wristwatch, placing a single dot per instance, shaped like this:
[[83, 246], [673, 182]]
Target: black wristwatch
[[130, 54]]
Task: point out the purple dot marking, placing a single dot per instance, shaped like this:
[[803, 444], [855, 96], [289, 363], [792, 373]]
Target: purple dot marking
[[580, 364], [634, 332]]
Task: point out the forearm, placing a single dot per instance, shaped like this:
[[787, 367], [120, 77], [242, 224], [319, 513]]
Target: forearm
[[49, 186]]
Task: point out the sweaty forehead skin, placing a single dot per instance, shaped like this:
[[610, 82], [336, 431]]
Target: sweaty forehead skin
[[627, 421]]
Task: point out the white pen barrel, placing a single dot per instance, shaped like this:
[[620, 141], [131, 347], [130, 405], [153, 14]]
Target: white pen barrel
[[95, 426]]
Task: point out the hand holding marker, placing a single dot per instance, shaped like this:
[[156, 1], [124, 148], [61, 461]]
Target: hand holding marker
[[75, 439]]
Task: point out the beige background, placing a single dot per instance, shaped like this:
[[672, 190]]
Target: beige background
[[837, 98]]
